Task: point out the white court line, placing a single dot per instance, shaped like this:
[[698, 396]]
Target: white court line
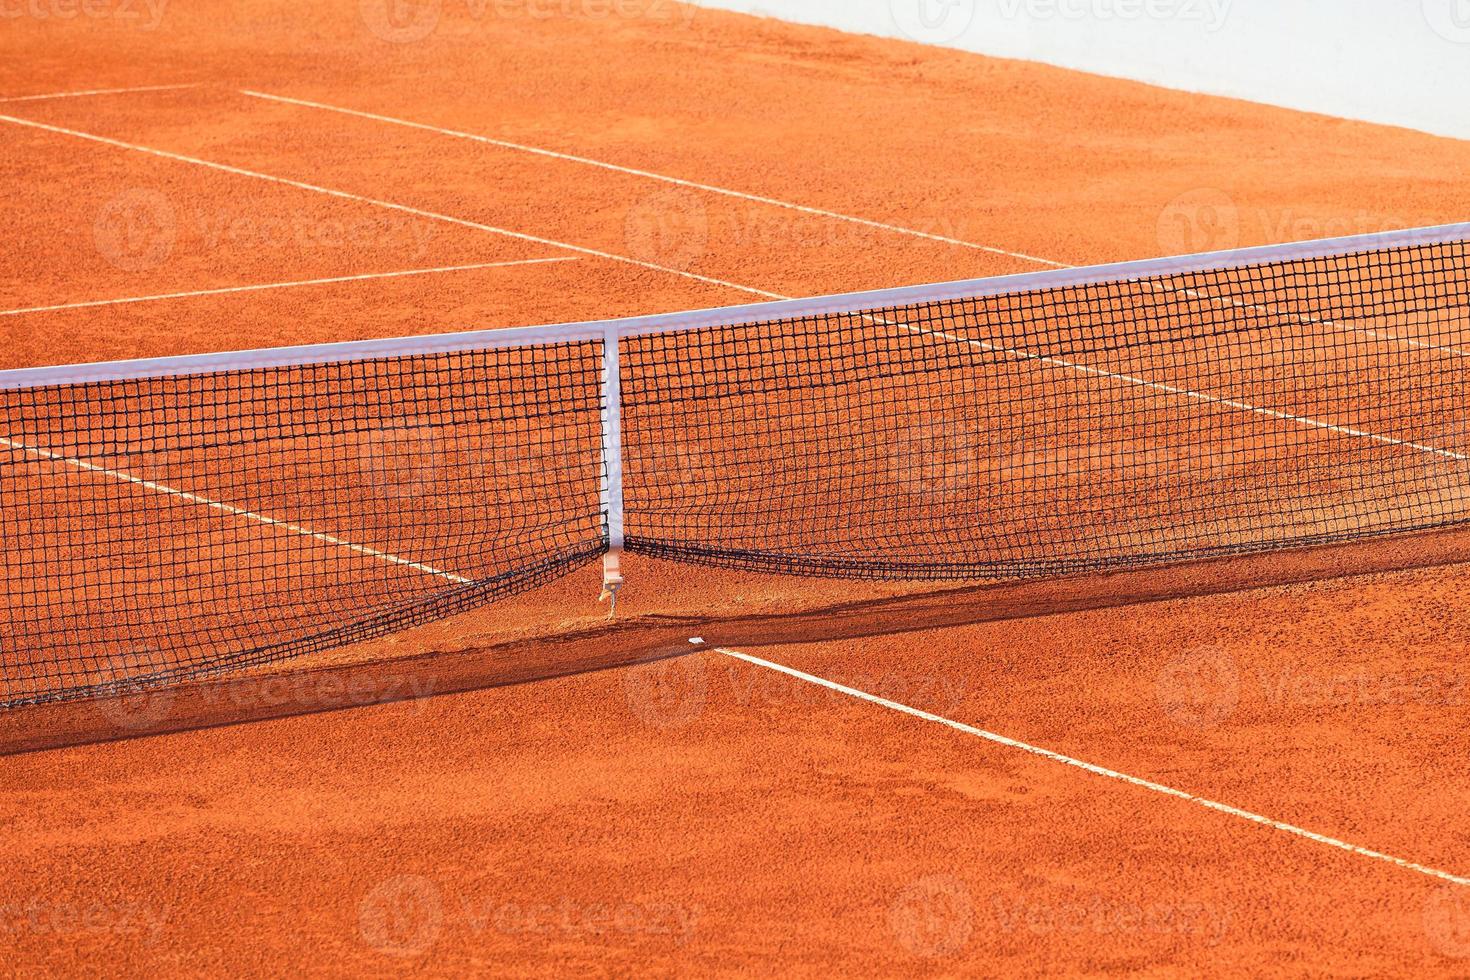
[[390, 205], [97, 91], [282, 285], [1306, 318], [225, 508], [1380, 335], [775, 202], [1196, 395], [663, 178], [1096, 770]]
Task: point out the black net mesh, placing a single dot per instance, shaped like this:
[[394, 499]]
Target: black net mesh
[[171, 527], [1043, 433], [160, 529]]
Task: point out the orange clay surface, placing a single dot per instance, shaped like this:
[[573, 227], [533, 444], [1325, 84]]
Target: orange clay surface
[[702, 813]]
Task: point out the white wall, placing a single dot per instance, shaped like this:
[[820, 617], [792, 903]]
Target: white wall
[[1403, 62]]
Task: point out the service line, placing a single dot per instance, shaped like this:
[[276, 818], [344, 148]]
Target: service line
[[283, 285], [97, 91], [662, 178]]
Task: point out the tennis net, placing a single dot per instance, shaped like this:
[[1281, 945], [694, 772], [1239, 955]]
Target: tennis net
[[172, 518]]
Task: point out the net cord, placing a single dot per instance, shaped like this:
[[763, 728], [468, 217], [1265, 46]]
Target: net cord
[[500, 338]]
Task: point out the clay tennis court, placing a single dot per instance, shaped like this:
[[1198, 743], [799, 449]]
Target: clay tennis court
[[1254, 764]]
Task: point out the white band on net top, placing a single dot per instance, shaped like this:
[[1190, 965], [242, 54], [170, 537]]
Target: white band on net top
[[756, 313]]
